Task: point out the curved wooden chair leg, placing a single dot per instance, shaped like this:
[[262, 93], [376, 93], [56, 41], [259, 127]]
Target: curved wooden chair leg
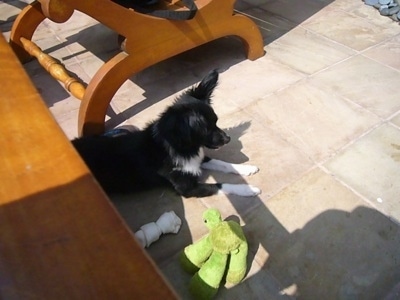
[[248, 32], [101, 90], [24, 26]]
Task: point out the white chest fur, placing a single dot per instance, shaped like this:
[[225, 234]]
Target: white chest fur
[[190, 165]]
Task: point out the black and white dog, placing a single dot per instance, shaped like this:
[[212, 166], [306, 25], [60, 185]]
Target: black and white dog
[[170, 150]]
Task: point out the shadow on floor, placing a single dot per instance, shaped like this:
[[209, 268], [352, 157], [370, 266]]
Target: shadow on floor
[[6, 24], [336, 255]]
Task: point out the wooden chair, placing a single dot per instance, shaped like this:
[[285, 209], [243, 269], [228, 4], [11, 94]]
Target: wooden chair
[[148, 40]]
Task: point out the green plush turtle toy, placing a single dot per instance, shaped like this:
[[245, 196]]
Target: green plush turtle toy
[[224, 249]]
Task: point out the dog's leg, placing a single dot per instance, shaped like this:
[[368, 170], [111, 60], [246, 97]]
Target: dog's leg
[[239, 189], [200, 190], [188, 186], [222, 166], [209, 189]]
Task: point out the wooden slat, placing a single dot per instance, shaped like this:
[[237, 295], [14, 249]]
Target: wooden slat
[[60, 237]]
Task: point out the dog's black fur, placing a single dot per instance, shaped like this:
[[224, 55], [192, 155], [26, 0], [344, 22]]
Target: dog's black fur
[[168, 151]]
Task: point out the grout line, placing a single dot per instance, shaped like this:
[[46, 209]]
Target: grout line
[[350, 143], [379, 62], [264, 21], [361, 196], [327, 38]]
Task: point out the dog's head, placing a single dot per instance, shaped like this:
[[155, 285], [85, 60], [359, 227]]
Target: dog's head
[[191, 123]]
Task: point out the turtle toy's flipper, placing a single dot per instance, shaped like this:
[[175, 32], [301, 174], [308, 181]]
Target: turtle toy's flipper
[[194, 255], [205, 283], [237, 264]]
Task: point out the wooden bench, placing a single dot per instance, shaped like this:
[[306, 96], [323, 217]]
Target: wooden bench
[[148, 40], [60, 237]]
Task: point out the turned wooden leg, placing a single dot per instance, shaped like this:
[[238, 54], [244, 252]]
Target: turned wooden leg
[[55, 69], [24, 26]]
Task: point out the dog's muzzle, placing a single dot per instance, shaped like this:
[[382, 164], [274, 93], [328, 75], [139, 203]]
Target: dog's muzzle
[[218, 140], [226, 138]]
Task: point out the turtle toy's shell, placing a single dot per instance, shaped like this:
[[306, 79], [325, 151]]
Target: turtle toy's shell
[[226, 237]]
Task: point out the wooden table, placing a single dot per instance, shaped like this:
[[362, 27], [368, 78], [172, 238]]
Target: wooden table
[[60, 237]]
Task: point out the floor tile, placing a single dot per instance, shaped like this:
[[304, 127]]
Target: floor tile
[[318, 114], [260, 78], [94, 40], [306, 51], [296, 12], [345, 5], [363, 81], [75, 24], [314, 121], [353, 31], [271, 26], [68, 124], [8, 14], [42, 81], [258, 284], [387, 52], [252, 142], [372, 15], [324, 242], [396, 120], [371, 167], [145, 207]]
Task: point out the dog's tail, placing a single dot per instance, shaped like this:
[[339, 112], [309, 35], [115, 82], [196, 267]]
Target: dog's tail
[[204, 89]]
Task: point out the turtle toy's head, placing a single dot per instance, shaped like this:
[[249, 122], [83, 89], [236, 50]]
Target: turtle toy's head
[[212, 218]]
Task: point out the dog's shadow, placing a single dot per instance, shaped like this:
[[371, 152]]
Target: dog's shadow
[[232, 151]]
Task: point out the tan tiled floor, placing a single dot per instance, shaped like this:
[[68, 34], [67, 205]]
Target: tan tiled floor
[[319, 114]]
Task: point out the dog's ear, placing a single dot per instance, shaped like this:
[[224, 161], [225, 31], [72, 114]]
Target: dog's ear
[[204, 89]]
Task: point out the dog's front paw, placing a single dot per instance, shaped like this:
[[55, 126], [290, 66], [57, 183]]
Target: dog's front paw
[[246, 170], [244, 190]]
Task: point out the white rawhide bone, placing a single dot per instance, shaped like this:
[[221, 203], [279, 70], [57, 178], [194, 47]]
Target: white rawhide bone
[[168, 222]]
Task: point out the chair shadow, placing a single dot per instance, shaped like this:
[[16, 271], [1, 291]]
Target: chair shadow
[[6, 24]]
